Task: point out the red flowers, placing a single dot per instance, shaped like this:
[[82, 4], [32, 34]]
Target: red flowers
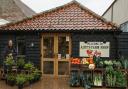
[[93, 52], [89, 52]]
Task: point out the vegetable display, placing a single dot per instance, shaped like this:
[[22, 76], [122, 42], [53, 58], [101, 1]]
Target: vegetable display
[[115, 78], [97, 79]]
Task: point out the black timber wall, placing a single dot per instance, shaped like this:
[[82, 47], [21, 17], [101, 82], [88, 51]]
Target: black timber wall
[[108, 37], [3, 43], [32, 53], [123, 44]]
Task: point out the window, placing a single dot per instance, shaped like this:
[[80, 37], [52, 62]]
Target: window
[[21, 48], [48, 47], [124, 27], [63, 46]]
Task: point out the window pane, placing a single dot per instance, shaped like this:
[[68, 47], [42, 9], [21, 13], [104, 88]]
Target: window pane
[[48, 47], [63, 68], [21, 48], [48, 67], [63, 48]]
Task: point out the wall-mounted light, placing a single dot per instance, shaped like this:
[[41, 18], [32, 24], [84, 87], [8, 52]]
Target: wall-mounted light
[[32, 44]]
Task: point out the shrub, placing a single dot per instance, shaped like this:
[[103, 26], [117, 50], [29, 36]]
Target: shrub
[[20, 62], [21, 79], [29, 66]]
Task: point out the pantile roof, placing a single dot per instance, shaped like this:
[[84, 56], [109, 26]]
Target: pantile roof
[[71, 16]]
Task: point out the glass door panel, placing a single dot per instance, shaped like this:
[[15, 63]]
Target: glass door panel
[[63, 54], [55, 54], [63, 47], [48, 47], [48, 54]]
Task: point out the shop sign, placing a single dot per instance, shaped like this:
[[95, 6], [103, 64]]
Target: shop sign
[[94, 48]]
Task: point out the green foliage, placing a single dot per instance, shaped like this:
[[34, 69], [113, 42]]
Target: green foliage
[[115, 77], [30, 77], [109, 69], [117, 64], [29, 66], [99, 62], [21, 79], [20, 62], [108, 62], [124, 63], [11, 77], [37, 74], [120, 79], [9, 61]]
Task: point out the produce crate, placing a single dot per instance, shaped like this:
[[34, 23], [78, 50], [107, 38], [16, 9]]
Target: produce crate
[[75, 66], [84, 66]]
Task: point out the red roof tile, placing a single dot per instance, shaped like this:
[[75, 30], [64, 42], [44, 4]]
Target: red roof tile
[[66, 17]]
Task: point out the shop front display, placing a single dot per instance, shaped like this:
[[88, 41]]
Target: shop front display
[[99, 73], [56, 40]]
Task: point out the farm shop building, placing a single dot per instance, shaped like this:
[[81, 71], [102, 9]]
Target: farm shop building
[[50, 38]]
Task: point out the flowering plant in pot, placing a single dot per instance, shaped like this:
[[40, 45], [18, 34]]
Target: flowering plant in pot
[[21, 80]]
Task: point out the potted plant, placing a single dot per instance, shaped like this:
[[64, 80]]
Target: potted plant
[[11, 79], [9, 62], [37, 74], [20, 63], [21, 80], [29, 66], [30, 78]]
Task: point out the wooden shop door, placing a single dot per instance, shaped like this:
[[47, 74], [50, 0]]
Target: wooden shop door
[[56, 50]]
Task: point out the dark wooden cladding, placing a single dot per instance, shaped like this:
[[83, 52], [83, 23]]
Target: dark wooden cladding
[[3, 43], [123, 44], [94, 37], [32, 53]]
